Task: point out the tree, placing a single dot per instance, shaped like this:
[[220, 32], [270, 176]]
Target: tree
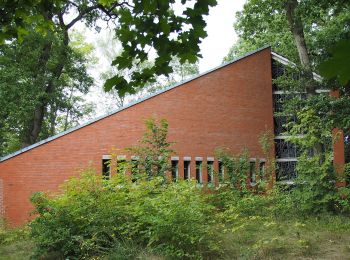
[[265, 22], [24, 93], [141, 26]]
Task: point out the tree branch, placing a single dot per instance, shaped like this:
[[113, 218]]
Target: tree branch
[[82, 14], [107, 11]]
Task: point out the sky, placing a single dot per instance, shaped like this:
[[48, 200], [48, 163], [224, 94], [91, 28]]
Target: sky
[[221, 35]]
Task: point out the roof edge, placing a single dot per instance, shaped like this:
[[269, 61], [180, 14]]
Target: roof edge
[[47, 140], [285, 61]]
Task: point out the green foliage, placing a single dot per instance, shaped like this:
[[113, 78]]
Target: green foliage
[[264, 22], [313, 129], [315, 189], [110, 47], [154, 149], [338, 65], [93, 216], [266, 141], [237, 168], [315, 186], [24, 87], [154, 25]]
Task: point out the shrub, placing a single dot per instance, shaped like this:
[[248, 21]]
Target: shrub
[[92, 216]]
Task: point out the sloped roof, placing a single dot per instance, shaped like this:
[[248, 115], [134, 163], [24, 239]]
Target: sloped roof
[[274, 55]]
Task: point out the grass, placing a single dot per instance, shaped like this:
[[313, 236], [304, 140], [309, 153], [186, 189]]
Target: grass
[[326, 237], [17, 250], [253, 237]]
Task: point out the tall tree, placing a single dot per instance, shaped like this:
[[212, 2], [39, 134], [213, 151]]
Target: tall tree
[[23, 91], [265, 22]]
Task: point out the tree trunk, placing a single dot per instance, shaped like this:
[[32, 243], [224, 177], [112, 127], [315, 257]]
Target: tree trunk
[[35, 124], [296, 27], [53, 117]]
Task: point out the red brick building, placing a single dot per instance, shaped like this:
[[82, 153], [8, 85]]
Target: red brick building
[[229, 106]]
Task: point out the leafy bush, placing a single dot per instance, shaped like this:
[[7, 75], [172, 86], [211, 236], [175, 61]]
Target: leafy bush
[[92, 216]]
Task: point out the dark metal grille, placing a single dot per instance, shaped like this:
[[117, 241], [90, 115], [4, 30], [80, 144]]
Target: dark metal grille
[[281, 123], [279, 100], [277, 69], [286, 171], [286, 149]]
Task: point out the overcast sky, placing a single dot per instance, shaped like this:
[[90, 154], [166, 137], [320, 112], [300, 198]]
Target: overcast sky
[[221, 35]]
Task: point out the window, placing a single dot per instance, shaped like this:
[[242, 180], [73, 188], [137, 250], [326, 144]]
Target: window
[[174, 169], [187, 170], [134, 168], [262, 169], [286, 149], [121, 166], [106, 168], [210, 171], [221, 172], [199, 172], [286, 170], [252, 172]]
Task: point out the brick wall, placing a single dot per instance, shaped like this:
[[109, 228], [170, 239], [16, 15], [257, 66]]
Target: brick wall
[[229, 107]]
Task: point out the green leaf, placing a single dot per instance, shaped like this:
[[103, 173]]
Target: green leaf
[[122, 62], [112, 82], [21, 33], [164, 26], [338, 66]]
